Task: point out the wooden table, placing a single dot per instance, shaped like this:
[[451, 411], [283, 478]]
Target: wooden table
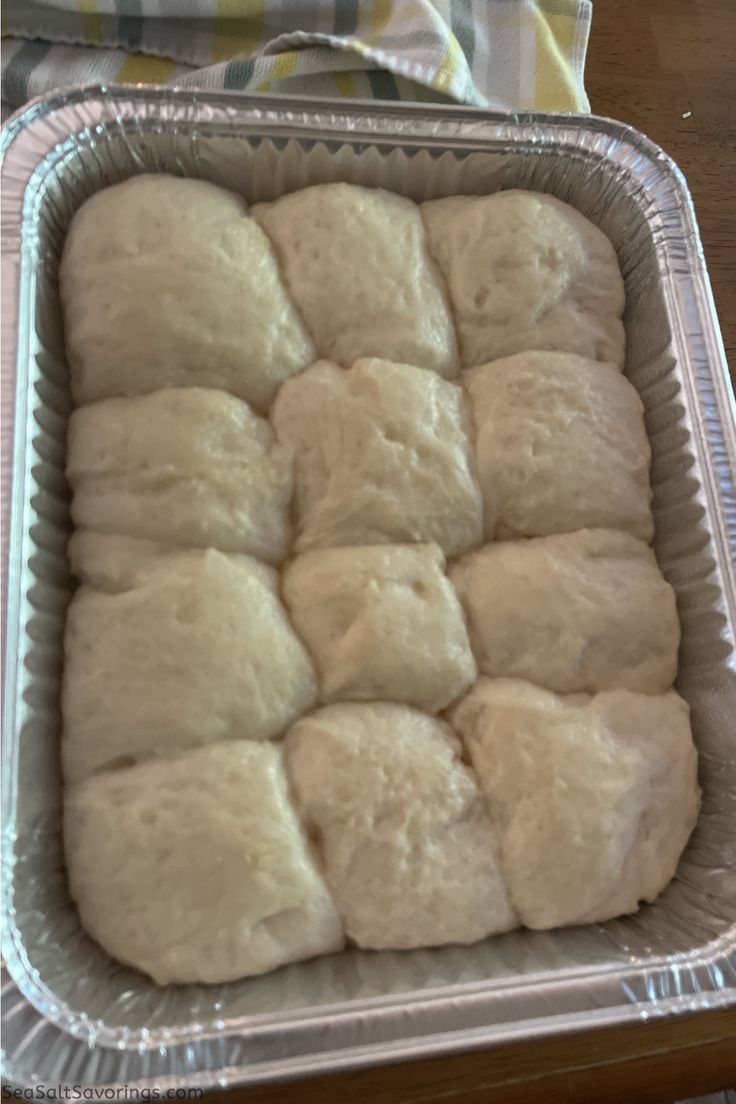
[[667, 67]]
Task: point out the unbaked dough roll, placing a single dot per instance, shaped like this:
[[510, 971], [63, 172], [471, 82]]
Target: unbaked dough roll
[[526, 271], [166, 282], [583, 611], [381, 456], [381, 622], [187, 466], [560, 445], [407, 849], [593, 798], [356, 263], [196, 649], [195, 869]]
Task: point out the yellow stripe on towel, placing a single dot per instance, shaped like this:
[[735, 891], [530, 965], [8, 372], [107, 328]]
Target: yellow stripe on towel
[[346, 85], [379, 18], [91, 22], [145, 69], [238, 28], [448, 67], [284, 64], [554, 36]]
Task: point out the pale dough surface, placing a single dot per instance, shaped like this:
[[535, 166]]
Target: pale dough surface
[[594, 798], [167, 282], [110, 562], [196, 649], [383, 622], [356, 263], [407, 848], [560, 445], [195, 869], [381, 456], [583, 611], [526, 271], [188, 466]]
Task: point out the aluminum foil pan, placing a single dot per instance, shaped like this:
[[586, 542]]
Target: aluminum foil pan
[[70, 1014]]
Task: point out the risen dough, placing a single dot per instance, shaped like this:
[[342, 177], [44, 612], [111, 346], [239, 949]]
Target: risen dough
[[381, 456], [195, 868], [356, 262], [408, 851], [594, 798], [582, 611], [526, 271], [189, 466], [560, 445], [112, 563], [381, 622], [197, 649], [166, 282]]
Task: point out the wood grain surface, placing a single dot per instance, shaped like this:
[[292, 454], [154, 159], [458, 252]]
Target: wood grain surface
[[669, 68]]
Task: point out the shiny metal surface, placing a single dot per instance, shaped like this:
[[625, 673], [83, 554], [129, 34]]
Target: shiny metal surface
[[72, 1015]]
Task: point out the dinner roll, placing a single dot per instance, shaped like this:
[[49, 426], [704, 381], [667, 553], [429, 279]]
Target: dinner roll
[[356, 263], [166, 282], [381, 456], [581, 611], [594, 798], [526, 271], [194, 868], [407, 849], [560, 445], [197, 649], [189, 467], [381, 622]]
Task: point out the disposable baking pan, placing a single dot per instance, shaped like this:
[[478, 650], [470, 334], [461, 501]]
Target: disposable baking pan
[[70, 1014]]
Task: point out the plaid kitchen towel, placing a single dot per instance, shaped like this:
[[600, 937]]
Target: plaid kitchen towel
[[503, 54]]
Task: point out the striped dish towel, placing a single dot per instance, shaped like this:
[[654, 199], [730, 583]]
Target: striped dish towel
[[503, 54]]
